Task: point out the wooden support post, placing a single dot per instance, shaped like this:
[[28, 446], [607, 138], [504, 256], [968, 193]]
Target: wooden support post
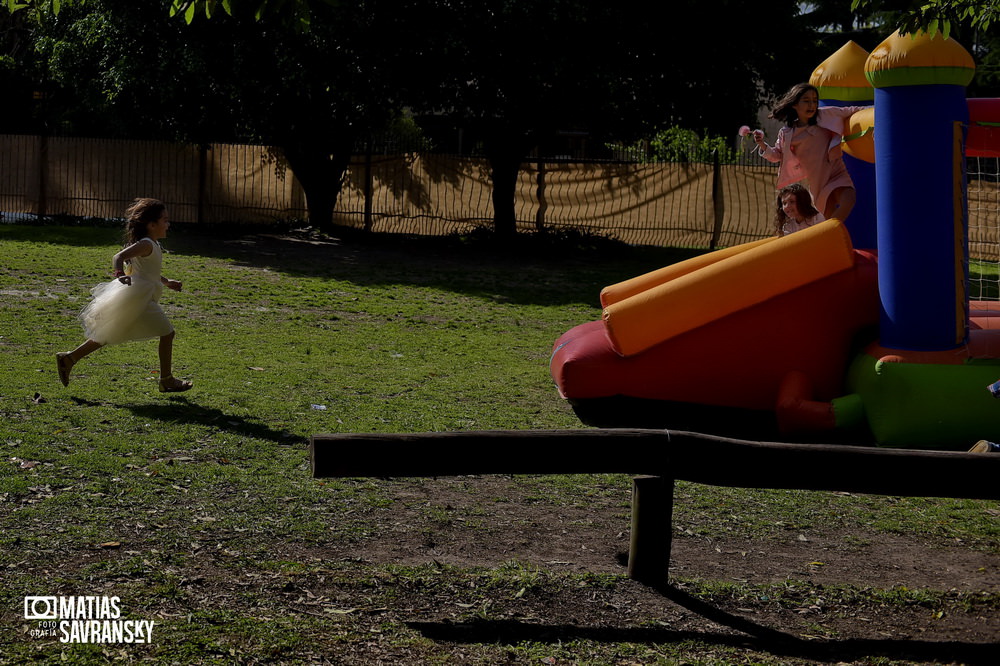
[[652, 513]]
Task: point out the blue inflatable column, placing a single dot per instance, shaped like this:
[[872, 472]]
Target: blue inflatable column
[[920, 116], [861, 222], [841, 81]]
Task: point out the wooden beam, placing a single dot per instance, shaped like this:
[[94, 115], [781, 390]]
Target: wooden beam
[[678, 455]]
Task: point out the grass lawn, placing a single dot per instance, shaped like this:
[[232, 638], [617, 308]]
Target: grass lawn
[[198, 511]]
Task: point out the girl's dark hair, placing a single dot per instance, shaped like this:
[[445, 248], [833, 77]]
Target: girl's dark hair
[[783, 110], [139, 215], [802, 198]]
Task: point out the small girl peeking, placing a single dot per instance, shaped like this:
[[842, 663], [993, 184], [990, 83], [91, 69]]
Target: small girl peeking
[[794, 210], [808, 148]]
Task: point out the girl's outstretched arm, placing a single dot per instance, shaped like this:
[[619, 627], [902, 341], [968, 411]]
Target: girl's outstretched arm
[[769, 153], [176, 285], [139, 249]]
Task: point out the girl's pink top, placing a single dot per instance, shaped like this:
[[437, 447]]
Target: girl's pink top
[[813, 153]]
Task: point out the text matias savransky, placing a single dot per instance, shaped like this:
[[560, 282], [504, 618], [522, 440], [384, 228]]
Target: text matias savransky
[[85, 619]]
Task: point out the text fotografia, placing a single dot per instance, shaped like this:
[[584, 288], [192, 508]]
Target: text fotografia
[[84, 619]]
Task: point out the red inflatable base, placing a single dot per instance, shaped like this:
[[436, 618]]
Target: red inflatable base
[[739, 360]]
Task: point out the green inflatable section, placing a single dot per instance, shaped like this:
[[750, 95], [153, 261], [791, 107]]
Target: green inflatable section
[[920, 405]]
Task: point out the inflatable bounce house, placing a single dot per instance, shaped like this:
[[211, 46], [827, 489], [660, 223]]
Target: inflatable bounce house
[[856, 332]]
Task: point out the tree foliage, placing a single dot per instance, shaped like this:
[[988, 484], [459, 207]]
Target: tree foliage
[[514, 75], [296, 13], [967, 21], [932, 16], [293, 12], [312, 76], [132, 70]]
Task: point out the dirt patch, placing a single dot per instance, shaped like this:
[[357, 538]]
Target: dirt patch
[[836, 587], [500, 522], [852, 596]]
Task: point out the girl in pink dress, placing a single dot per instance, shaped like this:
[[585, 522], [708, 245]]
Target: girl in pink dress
[[808, 149], [127, 307]]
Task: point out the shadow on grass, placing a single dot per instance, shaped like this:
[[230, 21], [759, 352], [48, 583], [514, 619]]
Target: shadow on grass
[[181, 410], [81, 235], [539, 269], [525, 272], [756, 637]]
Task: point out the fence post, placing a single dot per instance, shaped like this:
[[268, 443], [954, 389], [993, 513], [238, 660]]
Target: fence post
[[368, 185], [202, 181], [542, 203], [718, 201], [43, 169]]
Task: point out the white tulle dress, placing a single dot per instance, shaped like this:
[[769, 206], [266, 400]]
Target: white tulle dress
[[120, 313]]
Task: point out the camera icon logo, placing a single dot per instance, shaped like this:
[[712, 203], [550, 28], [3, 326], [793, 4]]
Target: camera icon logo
[[41, 608]]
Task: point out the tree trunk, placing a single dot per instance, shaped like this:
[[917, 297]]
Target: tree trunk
[[321, 173], [504, 172], [505, 152]]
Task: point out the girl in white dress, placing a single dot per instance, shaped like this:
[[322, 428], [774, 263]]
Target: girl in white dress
[[127, 307]]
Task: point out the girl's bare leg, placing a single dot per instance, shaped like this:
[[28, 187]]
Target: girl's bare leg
[[66, 360], [840, 203], [86, 348], [169, 384], [166, 355]]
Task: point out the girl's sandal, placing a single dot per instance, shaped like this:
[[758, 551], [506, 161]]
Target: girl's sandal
[[64, 363], [170, 384]]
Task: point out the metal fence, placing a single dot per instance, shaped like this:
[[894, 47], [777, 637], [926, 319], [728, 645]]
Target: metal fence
[[690, 204], [678, 204]]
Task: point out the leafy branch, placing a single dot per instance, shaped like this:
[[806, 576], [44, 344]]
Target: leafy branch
[[933, 16], [296, 11]]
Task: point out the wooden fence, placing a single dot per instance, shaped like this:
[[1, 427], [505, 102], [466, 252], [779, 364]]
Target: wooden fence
[[687, 204]]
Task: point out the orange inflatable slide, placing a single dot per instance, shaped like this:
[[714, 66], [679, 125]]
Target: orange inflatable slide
[[723, 330]]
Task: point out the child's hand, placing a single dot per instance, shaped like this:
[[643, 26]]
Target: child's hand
[[174, 284], [758, 136]]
